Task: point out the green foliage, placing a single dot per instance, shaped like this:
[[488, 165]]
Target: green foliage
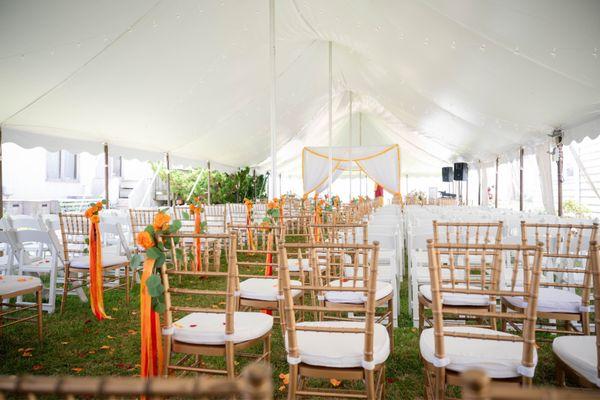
[[224, 187], [570, 207]]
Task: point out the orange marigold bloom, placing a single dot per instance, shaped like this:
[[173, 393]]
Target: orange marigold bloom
[[89, 212], [192, 208], [99, 205], [161, 221], [145, 240], [95, 218]]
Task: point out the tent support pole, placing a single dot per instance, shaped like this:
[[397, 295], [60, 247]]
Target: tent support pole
[[521, 178], [360, 185], [168, 164], [479, 173], [350, 142], [273, 98], [209, 182], [106, 177], [496, 186], [254, 185], [559, 164], [1, 191], [330, 155]]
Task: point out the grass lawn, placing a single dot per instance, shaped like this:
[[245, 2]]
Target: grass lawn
[[76, 344]]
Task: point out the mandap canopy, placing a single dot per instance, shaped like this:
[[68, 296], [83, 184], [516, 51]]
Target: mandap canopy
[[380, 163]]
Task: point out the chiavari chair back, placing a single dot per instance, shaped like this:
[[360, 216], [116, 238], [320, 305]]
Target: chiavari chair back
[[330, 345], [201, 315], [140, 218], [449, 349]]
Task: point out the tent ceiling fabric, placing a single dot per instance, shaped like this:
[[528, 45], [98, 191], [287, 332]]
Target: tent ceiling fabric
[[446, 80]]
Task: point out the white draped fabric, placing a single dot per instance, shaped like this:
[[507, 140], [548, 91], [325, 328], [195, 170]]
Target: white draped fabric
[[545, 178], [380, 163]]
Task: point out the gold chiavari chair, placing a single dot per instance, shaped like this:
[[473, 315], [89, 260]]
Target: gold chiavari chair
[[257, 290], [458, 267], [327, 348], [448, 350], [140, 218], [203, 321], [75, 232], [565, 292], [13, 286], [478, 386], [253, 384], [216, 218], [236, 214], [578, 356]]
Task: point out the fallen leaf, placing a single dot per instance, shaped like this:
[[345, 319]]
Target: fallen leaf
[[26, 354], [37, 367], [285, 378], [92, 352], [87, 321], [105, 347], [78, 370], [334, 382], [115, 309], [64, 342], [282, 388], [110, 337], [131, 332]]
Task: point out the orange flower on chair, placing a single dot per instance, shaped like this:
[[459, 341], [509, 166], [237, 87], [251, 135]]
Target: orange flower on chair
[[161, 221], [144, 239], [90, 211], [95, 218]]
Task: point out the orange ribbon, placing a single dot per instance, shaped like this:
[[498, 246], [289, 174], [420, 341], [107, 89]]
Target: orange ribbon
[[318, 221], [269, 262], [151, 346], [96, 273], [198, 242], [249, 223]]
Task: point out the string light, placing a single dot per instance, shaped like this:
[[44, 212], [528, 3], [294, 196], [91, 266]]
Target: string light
[[517, 51], [482, 47], [595, 53], [553, 52], [453, 45]]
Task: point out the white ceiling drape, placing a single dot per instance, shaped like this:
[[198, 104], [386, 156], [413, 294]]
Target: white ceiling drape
[[446, 80]]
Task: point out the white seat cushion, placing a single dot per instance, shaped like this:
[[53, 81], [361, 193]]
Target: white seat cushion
[[340, 350], [263, 289], [294, 265], [209, 328], [579, 353], [384, 272], [16, 283], [551, 300], [499, 359], [457, 299], [107, 261], [382, 290]]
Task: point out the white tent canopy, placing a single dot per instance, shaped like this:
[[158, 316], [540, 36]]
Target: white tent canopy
[[473, 78], [380, 163]]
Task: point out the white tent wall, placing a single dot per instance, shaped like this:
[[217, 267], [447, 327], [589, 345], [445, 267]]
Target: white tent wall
[[446, 81]]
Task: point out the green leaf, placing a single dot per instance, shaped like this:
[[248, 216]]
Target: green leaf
[[175, 240], [153, 281], [159, 307], [156, 291], [175, 226], [179, 254], [160, 246], [153, 253], [150, 230], [87, 240], [186, 215], [103, 201], [136, 260], [160, 261]]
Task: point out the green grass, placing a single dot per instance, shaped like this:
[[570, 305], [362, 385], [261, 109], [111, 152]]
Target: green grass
[[76, 344]]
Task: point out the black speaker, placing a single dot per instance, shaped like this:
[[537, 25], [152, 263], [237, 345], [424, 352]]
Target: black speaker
[[461, 171], [447, 174]]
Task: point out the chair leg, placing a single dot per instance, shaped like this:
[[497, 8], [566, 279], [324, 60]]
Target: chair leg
[[267, 348], [421, 316], [127, 283], [370, 384], [585, 323], [560, 373], [166, 354], [440, 384], [65, 289], [1, 314], [293, 378], [503, 320], [38, 296], [230, 358], [391, 324]]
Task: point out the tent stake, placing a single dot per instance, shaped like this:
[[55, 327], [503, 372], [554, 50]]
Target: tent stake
[[168, 163], [106, 175], [273, 96], [496, 188], [521, 177]]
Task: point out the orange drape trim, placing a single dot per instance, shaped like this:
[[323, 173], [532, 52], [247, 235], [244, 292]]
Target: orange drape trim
[[151, 345], [198, 242], [96, 273], [248, 223]]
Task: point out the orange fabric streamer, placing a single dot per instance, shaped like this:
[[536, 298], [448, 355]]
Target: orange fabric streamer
[[198, 244], [96, 271], [248, 223], [268, 262], [318, 221], [151, 345]]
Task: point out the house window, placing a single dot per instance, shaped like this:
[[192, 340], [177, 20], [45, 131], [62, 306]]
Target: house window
[[61, 165]]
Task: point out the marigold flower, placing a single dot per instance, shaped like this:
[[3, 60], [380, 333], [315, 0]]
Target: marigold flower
[[89, 212], [144, 239], [95, 218], [99, 205], [161, 221]]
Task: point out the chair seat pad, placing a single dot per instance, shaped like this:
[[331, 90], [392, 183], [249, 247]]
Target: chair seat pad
[[579, 353], [209, 328], [338, 349], [263, 289], [294, 265], [499, 359], [551, 300], [108, 260], [382, 290], [457, 299], [16, 283], [384, 272]]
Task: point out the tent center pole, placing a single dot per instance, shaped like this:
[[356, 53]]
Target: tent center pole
[[208, 191], [496, 186], [273, 98], [168, 165], [558, 136], [350, 145], [106, 175], [521, 177], [330, 154]]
